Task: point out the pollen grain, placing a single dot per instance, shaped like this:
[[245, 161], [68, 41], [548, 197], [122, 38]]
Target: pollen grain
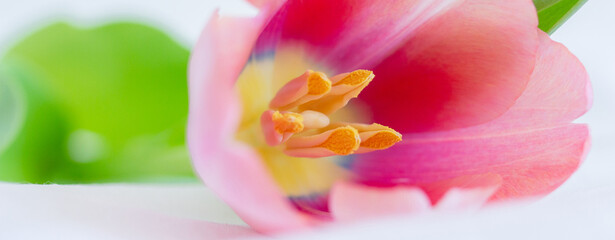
[[342, 141], [287, 122]]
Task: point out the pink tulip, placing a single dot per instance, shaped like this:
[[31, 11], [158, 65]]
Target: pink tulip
[[484, 101]]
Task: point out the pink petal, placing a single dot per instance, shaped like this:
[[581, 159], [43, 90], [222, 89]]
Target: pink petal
[[351, 201], [458, 199], [461, 69], [467, 192], [239, 178], [345, 34], [266, 3], [233, 171], [530, 162], [559, 91], [267, 7], [438, 189]]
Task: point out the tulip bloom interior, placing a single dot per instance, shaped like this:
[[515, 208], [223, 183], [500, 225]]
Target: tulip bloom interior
[[340, 110], [299, 130]]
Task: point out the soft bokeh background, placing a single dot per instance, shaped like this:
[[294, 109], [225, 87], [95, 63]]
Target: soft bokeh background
[[97, 90]]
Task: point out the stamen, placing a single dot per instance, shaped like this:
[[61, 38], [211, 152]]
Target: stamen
[[307, 87], [342, 141], [373, 136], [346, 86], [339, 141], [378, 140], [318, 84], [353, 78], [278, 127], [287, 122], [310, 134]]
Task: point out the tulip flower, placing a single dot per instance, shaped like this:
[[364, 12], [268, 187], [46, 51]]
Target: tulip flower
[[319, 111]]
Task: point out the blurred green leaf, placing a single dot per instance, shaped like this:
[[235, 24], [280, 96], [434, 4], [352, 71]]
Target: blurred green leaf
[[553, 13], [113, 97], [12, 109], [34, 150]]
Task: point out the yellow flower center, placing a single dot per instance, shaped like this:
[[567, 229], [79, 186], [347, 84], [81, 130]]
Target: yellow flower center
[[305, 139]]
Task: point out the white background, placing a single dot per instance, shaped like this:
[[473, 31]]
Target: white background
[[582, 207]]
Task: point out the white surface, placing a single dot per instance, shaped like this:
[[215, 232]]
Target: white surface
[[583, 208], [186, 212], [115, 212]]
